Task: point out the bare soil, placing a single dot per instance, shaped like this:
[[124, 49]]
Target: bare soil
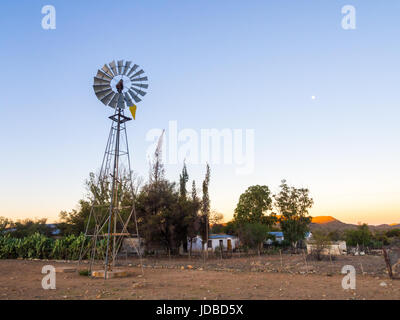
[[265, 277]]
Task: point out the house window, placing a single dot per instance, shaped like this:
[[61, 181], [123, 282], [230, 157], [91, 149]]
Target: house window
[[209, 244], [221, 243]]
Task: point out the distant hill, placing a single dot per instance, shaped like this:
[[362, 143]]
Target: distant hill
[[323, 219], [328, 223]]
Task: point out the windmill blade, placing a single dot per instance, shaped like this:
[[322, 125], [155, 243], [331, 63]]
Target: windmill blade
[[102, 75], [126, 68], [101, 87], [134, 96], [142, 93], [140, 79], [140, 85], [102, 91], [135, 66], [98, 81], [137, 73], [114, 100], [108, 98], [128, 100], [113, 67], [107, 70], [120, 65], [101, 94]]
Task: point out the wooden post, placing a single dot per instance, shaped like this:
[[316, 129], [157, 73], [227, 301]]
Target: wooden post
[[305, 260], [330, 258], [388, 265], [190, 250]]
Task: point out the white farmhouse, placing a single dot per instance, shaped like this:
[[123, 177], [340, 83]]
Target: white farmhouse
[[226, 241]]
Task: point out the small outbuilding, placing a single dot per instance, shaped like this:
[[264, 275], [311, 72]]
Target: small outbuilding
[[225, 241], [334, 248]]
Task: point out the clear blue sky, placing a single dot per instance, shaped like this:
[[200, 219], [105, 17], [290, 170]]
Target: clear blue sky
[[211, 64]]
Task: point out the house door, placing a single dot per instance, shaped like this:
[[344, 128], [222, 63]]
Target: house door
[[229, 244]]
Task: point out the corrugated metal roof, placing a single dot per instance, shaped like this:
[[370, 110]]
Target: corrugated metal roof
[[277, 233], [220, 236]]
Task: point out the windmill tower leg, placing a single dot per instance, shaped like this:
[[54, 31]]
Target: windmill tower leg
[[112, 227], [114, 196]]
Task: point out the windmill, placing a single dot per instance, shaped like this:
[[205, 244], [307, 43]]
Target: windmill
[[117, 85]]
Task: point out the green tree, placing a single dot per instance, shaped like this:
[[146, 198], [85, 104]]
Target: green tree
[[205, 209], [253, 235], [293, 205], [157, 207], [28, 227], [253, 206], [216, 217], [335, 235], [362, 236], [194, 220], [184, 214], [217, 228], [5, 223], [320, 242], [231, 228], [168, 216], [394, 233], [183, 179], [379, 239], [98, 194]]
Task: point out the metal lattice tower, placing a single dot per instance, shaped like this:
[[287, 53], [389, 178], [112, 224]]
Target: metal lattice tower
[[110, 221]]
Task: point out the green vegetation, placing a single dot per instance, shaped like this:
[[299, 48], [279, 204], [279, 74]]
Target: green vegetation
[[85, 273], [293, 205], [362, 236], [167, 215], [253, 219], [38, 246], [321, 241], [253, 235], [253, 206], [24, 228]]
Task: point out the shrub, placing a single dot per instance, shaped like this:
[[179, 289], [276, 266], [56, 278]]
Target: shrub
[[38, 246], [84, 273]]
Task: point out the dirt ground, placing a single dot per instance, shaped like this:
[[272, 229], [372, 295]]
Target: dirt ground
[[268, 277]]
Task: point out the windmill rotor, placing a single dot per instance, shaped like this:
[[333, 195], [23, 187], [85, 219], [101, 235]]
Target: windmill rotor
[[120, 84]]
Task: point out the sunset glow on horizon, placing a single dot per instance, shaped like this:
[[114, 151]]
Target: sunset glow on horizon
[[319, 103]]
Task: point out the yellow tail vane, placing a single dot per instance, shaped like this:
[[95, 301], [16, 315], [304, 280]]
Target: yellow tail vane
[[133, 111]]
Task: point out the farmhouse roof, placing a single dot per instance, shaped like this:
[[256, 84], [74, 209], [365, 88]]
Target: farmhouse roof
[[276, 233], [220, 236]]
